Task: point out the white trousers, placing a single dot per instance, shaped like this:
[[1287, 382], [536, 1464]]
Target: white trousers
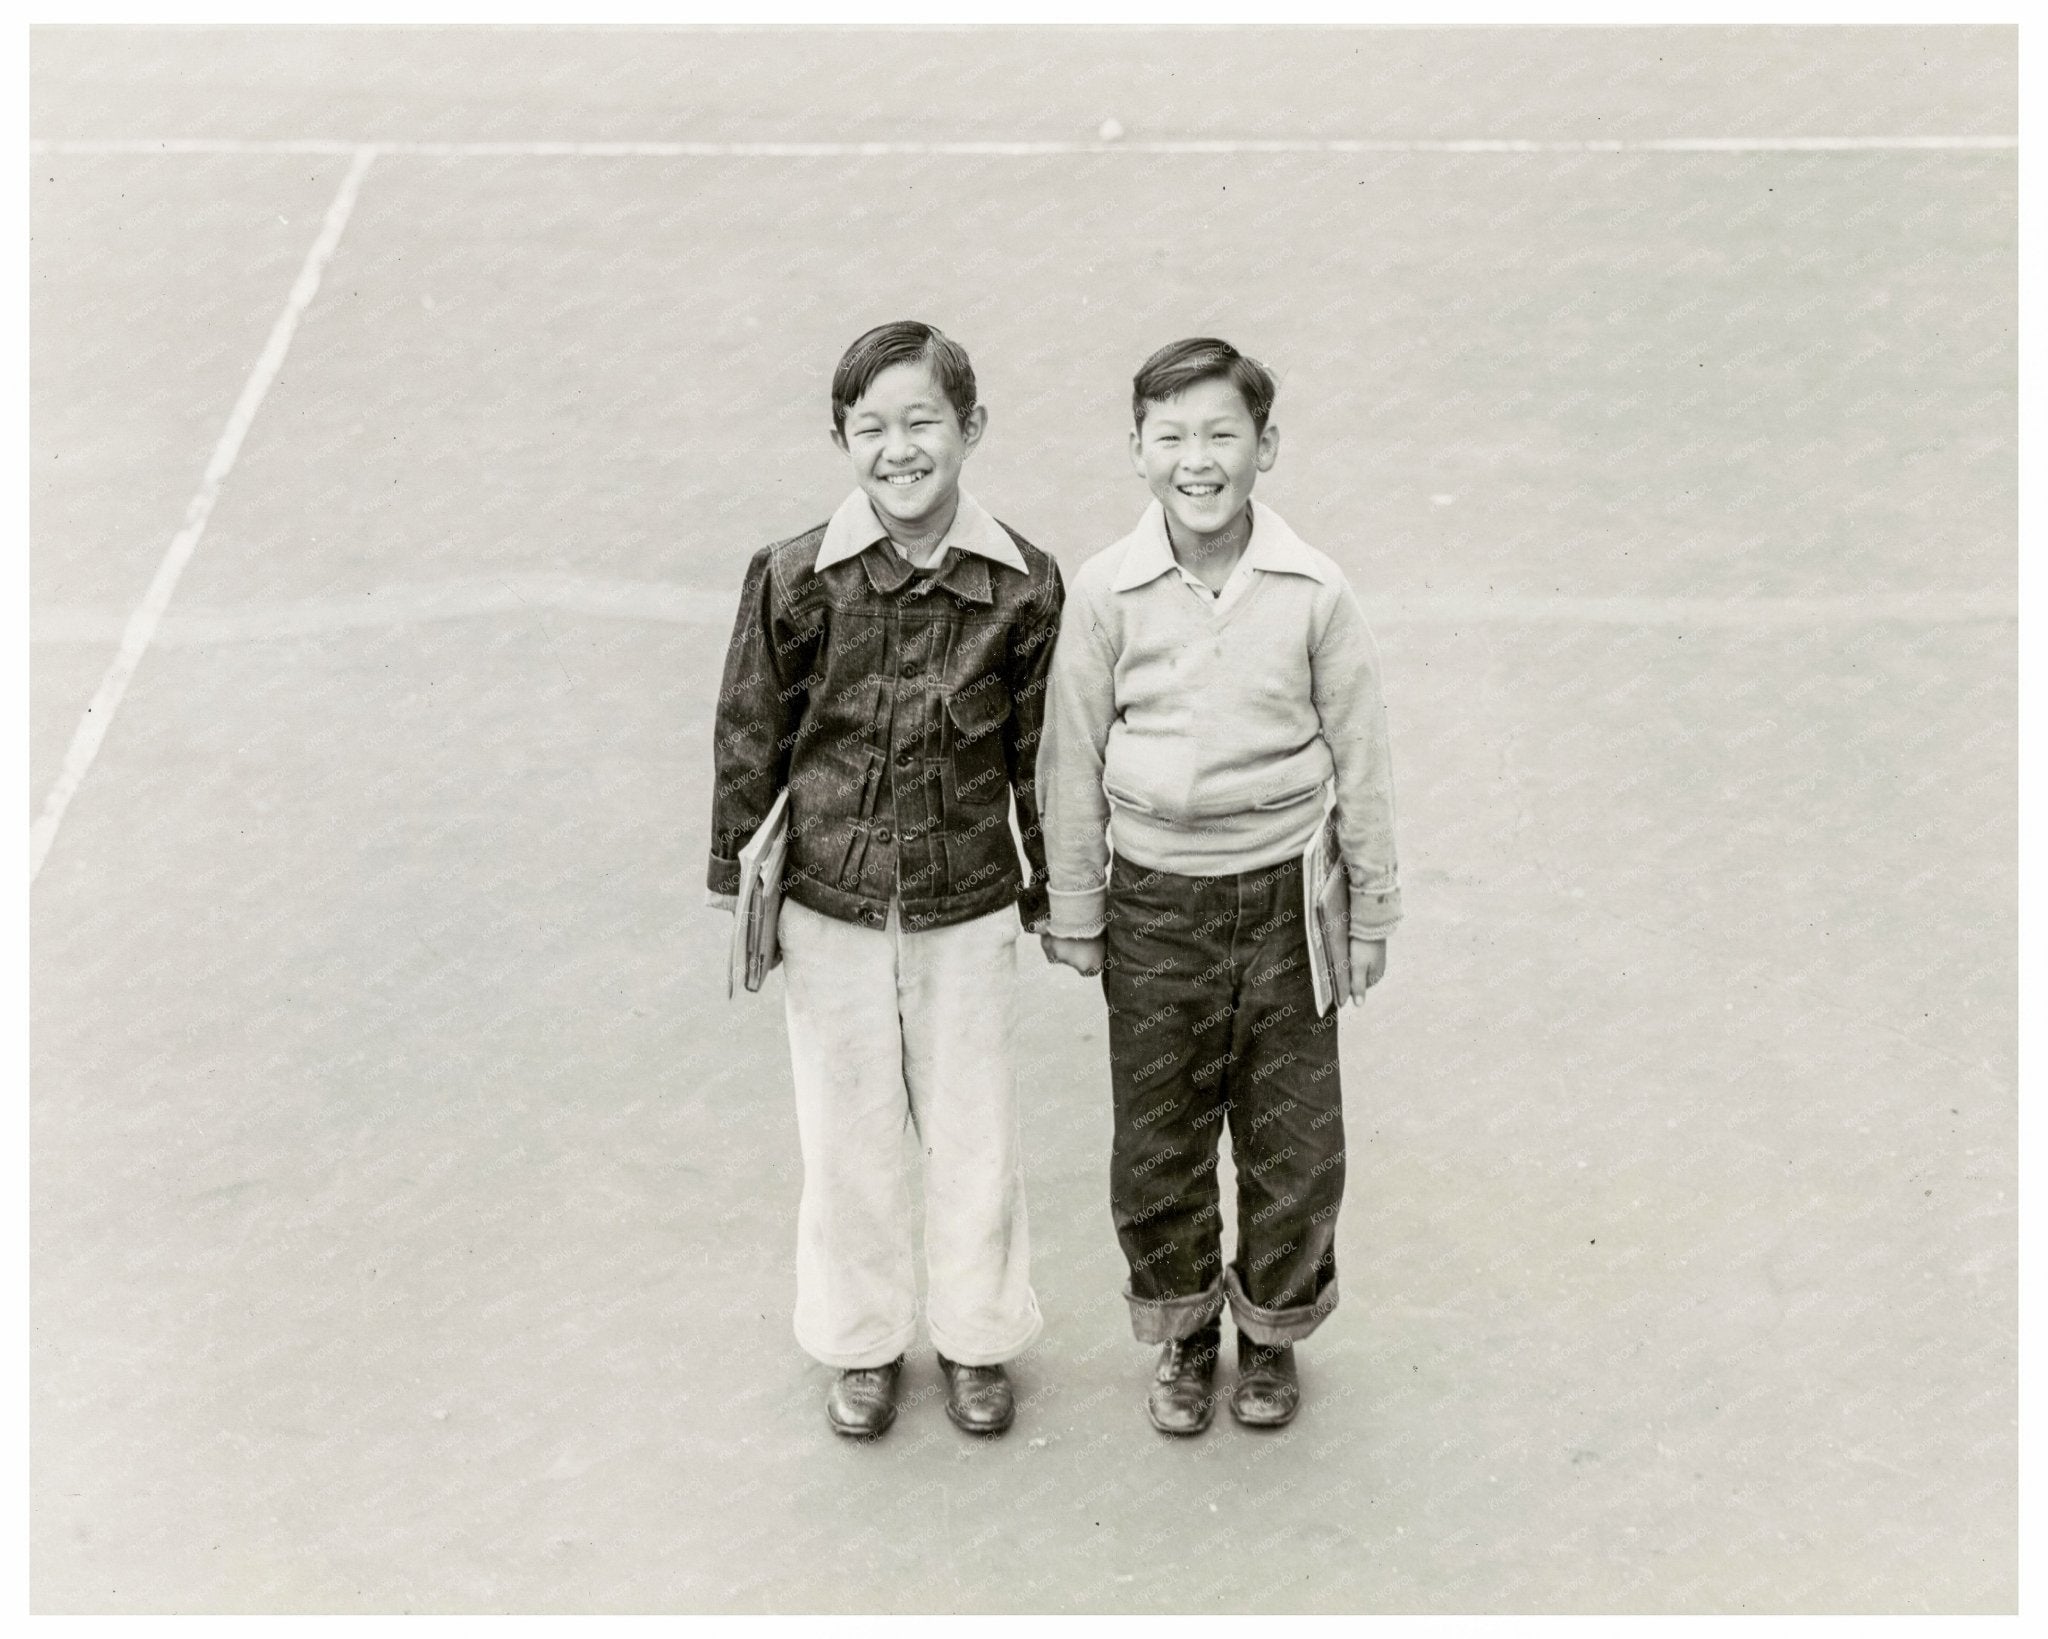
[[888, 1028]]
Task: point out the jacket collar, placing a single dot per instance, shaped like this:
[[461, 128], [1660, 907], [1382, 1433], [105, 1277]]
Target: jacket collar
[[1147, 553], [854, 530]]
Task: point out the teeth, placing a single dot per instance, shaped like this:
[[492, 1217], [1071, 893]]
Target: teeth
[[902, 479]]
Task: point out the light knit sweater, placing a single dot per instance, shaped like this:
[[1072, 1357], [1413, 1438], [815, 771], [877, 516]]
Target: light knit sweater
[[1203, 741]]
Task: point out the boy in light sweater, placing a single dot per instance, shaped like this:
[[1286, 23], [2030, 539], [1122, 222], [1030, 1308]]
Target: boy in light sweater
[[1213, 678]]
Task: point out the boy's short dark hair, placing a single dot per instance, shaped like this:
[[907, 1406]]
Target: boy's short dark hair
[[904, 342], [1180, 364]]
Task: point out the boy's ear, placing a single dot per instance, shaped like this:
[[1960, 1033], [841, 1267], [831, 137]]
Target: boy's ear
[[1137, 453], [1269, 447], [839, 438], [973, 425]]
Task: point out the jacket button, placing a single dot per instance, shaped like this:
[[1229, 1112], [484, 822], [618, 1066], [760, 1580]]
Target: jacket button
[[883, 835], [905, 758], [907, 669]]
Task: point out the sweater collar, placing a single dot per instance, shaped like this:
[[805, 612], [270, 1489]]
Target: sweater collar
[[854, 528], [1274, 547]]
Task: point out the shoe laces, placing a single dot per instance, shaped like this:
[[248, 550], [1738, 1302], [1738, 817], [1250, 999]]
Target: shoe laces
[[866, 1377]]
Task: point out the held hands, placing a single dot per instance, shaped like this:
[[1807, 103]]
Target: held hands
[[1368, 967], [1084, 956]]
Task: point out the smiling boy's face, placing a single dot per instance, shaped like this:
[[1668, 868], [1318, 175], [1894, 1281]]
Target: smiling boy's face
[[907, 445], [1200, 454]]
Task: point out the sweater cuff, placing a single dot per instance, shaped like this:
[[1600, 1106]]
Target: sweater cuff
[[1079, 913], [1374, 911]]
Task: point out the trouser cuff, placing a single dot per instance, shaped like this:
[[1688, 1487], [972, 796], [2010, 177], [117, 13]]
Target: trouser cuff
[[1274, 1326], [1166, 1320], [985, 1354], [855, 1359]]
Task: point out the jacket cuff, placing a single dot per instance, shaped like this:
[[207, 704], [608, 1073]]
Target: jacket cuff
[[1032, 909], [724, 876], [1079, 913]]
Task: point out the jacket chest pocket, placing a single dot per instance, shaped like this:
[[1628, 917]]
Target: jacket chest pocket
[[975, 717]]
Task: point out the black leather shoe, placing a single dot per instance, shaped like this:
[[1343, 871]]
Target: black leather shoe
[[978, 1398], [862, 1403], [1268, 1392], [1182, 1399]]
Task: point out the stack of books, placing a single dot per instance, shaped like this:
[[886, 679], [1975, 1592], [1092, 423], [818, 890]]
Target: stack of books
[[755, 947], [1326, 916]]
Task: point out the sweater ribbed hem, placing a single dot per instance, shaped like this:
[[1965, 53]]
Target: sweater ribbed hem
[[1228, 845]]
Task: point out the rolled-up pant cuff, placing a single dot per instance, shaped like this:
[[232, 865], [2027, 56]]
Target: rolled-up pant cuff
[[1164, 1320], [1273, 1326], [982, 1352], [879, 1354]]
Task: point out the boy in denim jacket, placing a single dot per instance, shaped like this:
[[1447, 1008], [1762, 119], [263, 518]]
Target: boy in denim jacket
[[1214, 678], [888, 667]]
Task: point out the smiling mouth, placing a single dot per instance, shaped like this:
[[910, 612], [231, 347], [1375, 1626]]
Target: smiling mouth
[[1200, 492], [903, 480]]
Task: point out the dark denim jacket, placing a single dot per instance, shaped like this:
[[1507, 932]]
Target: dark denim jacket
[[902, 708]]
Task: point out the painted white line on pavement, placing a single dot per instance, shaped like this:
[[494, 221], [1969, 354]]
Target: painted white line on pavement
[[677, 604], [142, 624], [1033, 150], [659, 602], [1914, 608]]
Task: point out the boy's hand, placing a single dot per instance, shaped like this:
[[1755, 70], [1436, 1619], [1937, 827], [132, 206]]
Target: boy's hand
[[1368, 966], [1084, 956]]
